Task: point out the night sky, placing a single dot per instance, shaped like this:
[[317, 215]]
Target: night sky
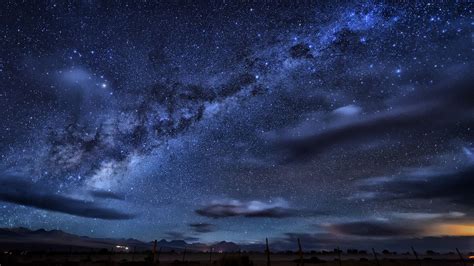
[[332, 123]]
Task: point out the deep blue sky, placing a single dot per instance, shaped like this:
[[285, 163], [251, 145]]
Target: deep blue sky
[[238, 122]]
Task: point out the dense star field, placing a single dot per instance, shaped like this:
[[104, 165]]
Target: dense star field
[[342, 124]]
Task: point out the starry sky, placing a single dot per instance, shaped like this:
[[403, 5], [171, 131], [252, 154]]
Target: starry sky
[[239, 121]]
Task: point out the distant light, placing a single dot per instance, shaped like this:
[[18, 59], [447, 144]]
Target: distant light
[[103, 85], [121, 247], [398, 71]]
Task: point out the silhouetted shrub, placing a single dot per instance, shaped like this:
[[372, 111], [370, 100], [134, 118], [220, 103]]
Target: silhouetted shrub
[[386, 252], [235, 260], [103, 251], [352, 251], [431, 252], [149, 257]]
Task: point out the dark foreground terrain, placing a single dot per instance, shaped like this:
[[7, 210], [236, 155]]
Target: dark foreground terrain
[[228, 259]]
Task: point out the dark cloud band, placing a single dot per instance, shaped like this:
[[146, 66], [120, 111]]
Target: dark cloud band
[[448, 107], [453, 185], [33, 195], [374, 229]]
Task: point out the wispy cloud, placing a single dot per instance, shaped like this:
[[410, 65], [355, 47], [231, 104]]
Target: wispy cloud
[[275, 209]]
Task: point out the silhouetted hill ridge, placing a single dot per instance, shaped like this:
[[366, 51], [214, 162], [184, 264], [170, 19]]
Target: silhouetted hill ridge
[[41, 239]]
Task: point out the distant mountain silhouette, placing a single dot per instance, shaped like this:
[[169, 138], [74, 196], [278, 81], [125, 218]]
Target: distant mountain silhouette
[[226, 247], [21, 238], [41, 239]]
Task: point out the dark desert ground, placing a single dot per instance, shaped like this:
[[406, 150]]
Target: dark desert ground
[[55, 247], [230, 259]]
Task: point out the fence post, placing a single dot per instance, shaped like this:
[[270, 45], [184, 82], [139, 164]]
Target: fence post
[[210, 255], [460, 257], [375, 256], [158, 257], [89, 257], [416, 256], [267, 250], [339, 251], [154, 251], [133, 253], [70, 253], [184, 254], [109, 257], [300, 251]]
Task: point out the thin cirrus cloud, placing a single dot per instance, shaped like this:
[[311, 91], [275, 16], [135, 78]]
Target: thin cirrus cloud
[[252, 209], [22, 192]]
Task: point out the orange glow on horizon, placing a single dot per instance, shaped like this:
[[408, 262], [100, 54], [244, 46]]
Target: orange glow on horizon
[[452, 230]]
